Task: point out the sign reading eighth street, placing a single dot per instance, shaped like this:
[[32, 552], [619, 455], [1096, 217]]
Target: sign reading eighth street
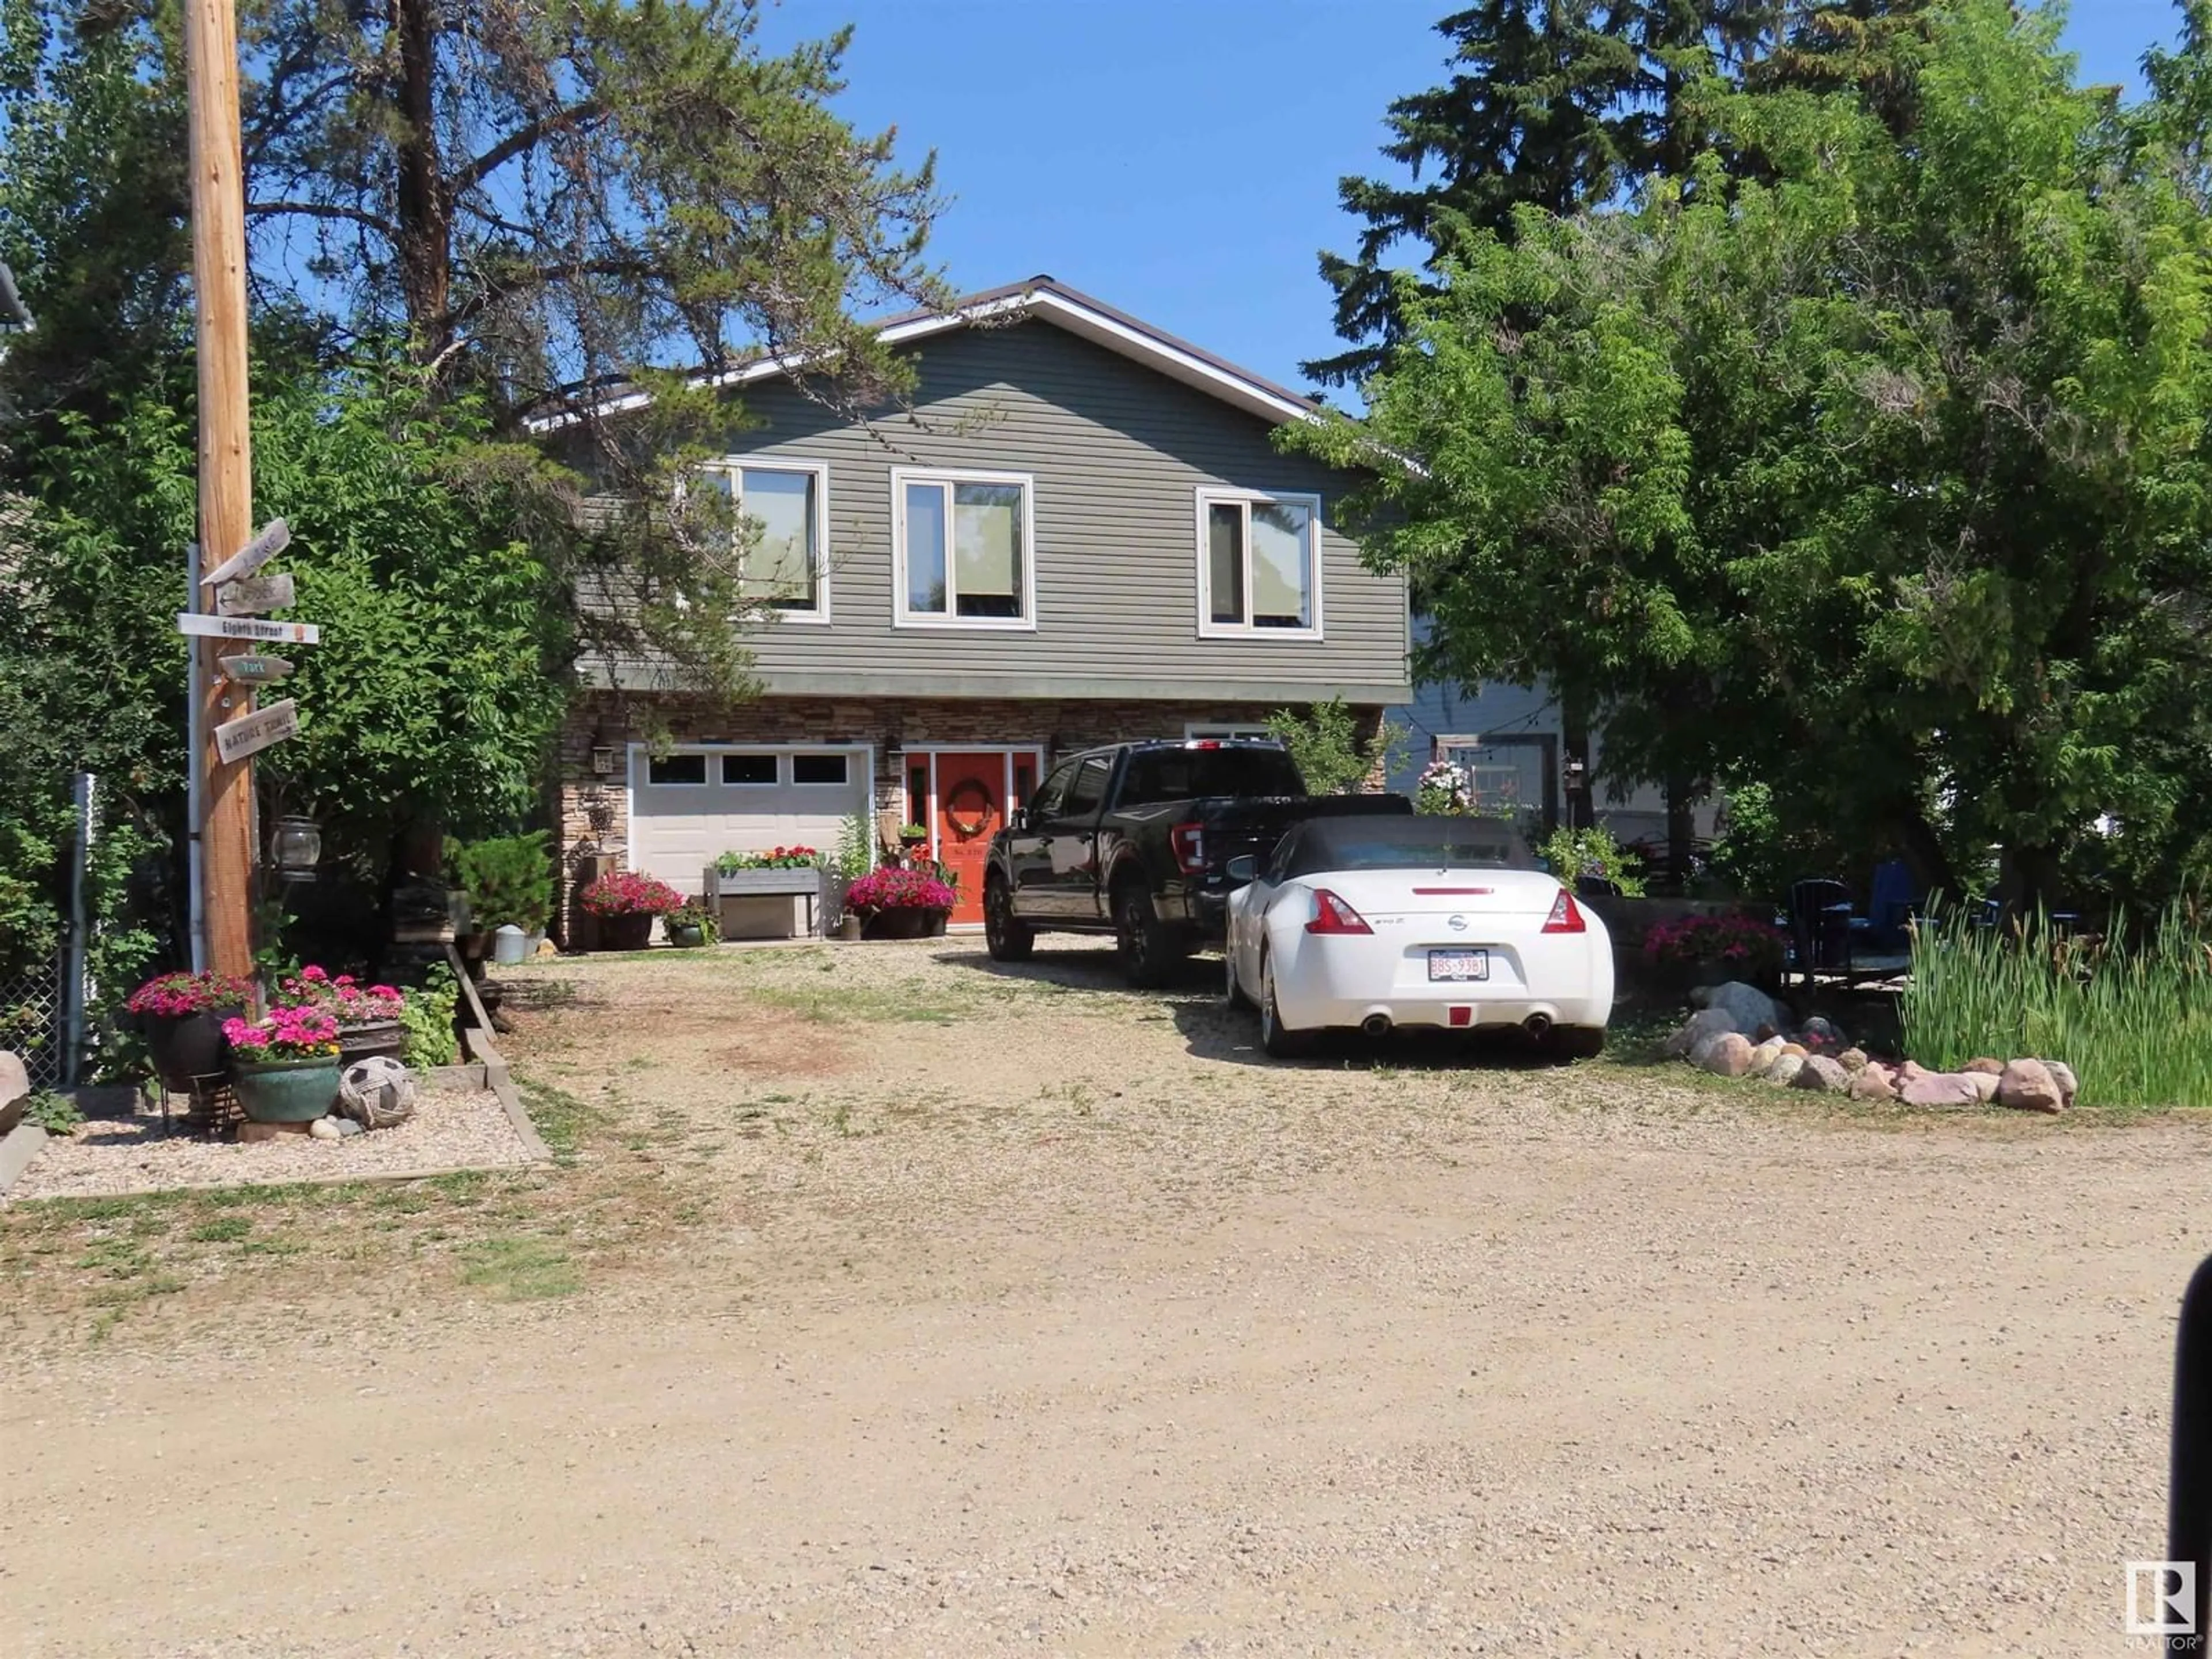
[[253, 594], [247, 627], [251, 734], [276, 536], [257, 669]]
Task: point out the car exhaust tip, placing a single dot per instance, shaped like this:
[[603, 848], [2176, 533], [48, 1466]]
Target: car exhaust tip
[[1375, 1025], [1538, 1026]]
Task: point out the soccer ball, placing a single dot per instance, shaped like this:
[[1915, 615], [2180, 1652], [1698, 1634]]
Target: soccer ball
[[377, 1093]]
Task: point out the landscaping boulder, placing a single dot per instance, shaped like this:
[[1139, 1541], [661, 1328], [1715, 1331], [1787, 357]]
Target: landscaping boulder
[[1825, 1032], [1852, 1059], [1798, 1049], [2027, 1086], [1941, 1089], [1764, 1056], [1870, 1083], [14, 1090], [1994, 1067], [2062, 1075], [1984, 1084], [1728, 1055], [1748, 1006], [1783, 1072], [1823, 1075], [1705, 1023]]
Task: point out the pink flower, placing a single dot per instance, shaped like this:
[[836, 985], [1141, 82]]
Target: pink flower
[[313, 973]]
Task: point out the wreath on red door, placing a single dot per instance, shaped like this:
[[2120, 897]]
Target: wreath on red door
[[969, 796]]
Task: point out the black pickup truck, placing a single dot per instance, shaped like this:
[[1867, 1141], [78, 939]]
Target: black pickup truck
[[1135, 840]]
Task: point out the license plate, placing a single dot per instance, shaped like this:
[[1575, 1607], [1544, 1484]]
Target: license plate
[[1459, 964]]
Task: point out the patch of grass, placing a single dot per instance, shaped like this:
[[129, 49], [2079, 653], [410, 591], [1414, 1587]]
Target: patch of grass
[[857, 1004], [520, 1269], [223, 1230], [561, 1118]]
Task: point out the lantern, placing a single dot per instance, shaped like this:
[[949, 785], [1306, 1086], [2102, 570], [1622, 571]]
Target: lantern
[[296, 847]]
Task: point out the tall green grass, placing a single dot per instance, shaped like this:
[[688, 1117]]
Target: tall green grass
[[2133, 1020]]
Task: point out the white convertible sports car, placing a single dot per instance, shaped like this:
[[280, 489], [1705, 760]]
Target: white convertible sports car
[[1379, 922]]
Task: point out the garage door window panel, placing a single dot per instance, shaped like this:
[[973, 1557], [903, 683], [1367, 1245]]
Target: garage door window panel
[[812, 771], [676, 771], [750, 771]]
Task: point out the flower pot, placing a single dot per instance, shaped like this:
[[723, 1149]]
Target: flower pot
[[904, 922], [373, 1036], [933, 927], [185, 1047], [632, 930], [285, 1091], [686, 935], [849, 926]]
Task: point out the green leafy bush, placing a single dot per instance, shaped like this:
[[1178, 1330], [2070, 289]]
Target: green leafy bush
[[1593, 851], [57, 1113], [1324, 743], [694, 914], [428, 1017], [506, 878]]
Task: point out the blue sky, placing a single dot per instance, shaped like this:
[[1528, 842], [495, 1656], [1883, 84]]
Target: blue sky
[[1179, 158]]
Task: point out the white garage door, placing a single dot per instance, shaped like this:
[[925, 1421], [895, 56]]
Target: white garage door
[[690, 806]]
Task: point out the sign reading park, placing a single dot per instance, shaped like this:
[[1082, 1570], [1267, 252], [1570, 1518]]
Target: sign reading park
[[247, 627], [251, 734], [251, 595], [256, 668]]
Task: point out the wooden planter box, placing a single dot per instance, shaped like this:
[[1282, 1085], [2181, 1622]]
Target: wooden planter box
[[760, 903]]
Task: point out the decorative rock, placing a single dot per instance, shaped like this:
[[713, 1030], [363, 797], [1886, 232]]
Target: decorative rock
[[1994, 1067], [14, 1077], [1705, 1023], [1747, 1006], [324, 1128], [1728, 1055], [1907, 1069], [1941, 1089], [2027, 1086], [1767, 1034], [1984, 1084], [1822, 1075], [2062, 1075], [1852, 1059], [1795, 1051], [1783, 1072], [1870, 1083], [1764, 1056], [348, 1126]]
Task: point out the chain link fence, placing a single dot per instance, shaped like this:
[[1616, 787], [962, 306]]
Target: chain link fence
[[31, 1021]]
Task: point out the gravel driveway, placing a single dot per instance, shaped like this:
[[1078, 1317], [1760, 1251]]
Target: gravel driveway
[[914, 1306]]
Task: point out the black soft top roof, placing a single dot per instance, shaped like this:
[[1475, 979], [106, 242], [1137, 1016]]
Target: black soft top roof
[[1413, 842]]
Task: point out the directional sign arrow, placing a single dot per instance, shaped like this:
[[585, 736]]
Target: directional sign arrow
[[255, 670], [251, 734], [276, 536], [246, 627], [250, 595]]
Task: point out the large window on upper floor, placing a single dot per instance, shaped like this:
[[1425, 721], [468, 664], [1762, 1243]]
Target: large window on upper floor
[[1259, 564], [784, 514], [964, 550]]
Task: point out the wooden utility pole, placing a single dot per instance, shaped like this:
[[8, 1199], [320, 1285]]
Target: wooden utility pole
[[226, 825]]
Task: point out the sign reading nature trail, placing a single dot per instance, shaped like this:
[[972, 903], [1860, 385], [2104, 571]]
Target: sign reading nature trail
[[251, 734], [247, 627]]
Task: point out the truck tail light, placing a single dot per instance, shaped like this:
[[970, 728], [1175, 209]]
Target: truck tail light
[[1566, 916], [1188, 842], [1333, 915]]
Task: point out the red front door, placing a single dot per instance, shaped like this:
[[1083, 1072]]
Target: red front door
[[971, 808]]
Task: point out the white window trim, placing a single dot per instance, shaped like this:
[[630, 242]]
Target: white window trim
[[735, 466], [845, 782], [1207, 496], [902, 616], [723, 781], [709, 770]]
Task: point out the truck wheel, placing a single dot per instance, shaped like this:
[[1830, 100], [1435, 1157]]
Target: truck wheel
[[1277, 1040], [1008, 940], [1150, 948]]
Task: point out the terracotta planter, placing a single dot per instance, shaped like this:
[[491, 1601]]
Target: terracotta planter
[[285, 1091], [185, 1047], [375, 1036], [625, 933]]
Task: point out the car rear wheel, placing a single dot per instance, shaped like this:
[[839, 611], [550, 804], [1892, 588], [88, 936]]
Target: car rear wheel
[[1150, 948], [1577, 1042], [1277, 1040], [1007, 940]]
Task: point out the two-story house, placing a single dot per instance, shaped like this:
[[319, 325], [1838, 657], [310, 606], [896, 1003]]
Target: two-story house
[[1083, 532]]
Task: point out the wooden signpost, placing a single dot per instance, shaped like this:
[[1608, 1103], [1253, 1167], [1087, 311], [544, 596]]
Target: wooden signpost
[[254, 670], [276, 536], [251, 595], [249, 734], [246, 627]]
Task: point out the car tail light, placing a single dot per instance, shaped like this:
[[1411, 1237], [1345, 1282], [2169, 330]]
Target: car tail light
[[1566, 916], [1333, 915], [1189, 842]]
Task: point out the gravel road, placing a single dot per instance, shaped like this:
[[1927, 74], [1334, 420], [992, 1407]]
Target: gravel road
[[1020, 1313]]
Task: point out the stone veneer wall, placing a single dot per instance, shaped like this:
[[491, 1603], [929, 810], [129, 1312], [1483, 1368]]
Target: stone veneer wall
[[592, 811]]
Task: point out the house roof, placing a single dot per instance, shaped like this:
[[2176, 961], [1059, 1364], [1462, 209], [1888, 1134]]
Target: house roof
[[1050, 301]]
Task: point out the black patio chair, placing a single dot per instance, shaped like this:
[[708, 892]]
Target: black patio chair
[[1820, 925]]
